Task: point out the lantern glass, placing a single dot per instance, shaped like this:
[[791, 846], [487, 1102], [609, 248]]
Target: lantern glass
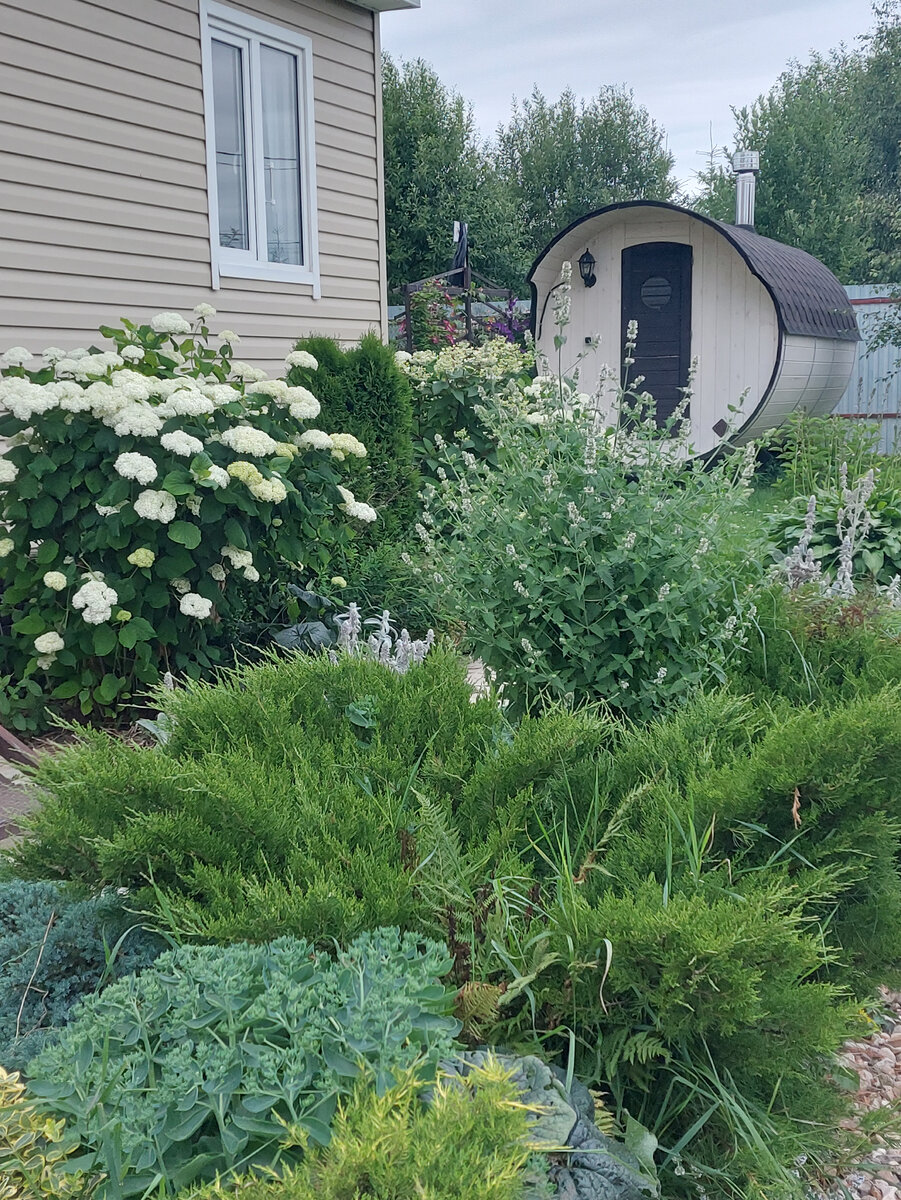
[[586, 269]]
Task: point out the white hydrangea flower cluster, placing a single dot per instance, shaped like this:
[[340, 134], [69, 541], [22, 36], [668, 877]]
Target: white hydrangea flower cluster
[[244, 370], [193, 605], [239, 559], [170, 322], [357, 509], [55, 580], [303, 359], [8, 471], [95, 600], [344, 444], [313, 439], [15, 356], [492, 362], [156, 506], [135, 466], [7, 545], [244, 439], [49, 643], [181, 443]]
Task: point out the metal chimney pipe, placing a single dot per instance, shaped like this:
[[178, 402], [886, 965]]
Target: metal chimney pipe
[[746, 165]]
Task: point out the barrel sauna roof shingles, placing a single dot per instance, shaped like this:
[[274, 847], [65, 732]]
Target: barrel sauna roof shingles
[[810, 300]]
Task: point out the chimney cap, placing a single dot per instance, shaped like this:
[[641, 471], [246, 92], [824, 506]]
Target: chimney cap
[[745, 160]]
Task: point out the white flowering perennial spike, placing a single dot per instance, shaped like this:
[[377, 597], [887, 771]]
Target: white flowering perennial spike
[[156, 506], [95, 600], [303, 359], [181, 443], [170, 322], [193, 605], [135, 466]]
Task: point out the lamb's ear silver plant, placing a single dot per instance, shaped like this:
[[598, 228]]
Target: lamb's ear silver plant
[[852, 525], [397, 652], [799, 564]]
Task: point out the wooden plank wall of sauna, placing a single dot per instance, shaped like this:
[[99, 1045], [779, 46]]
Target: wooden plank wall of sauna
[[734, 328], [103, 189]]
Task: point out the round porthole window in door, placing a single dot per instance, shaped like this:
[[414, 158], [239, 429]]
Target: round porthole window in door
[[656, 292]]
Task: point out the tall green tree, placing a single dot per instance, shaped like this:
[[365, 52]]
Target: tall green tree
[[438, 170], [563, 158], [829, 133]]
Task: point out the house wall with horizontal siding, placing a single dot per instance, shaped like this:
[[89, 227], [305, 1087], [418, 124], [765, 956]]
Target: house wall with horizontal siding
[[103, 188]]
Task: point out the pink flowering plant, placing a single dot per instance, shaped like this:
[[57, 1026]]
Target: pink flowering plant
[[142, 489]]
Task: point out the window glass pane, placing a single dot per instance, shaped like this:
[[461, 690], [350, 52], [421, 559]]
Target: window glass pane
[[231, 156], [281, 155]]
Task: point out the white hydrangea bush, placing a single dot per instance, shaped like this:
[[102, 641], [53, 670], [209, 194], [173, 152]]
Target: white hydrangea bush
[[142, 489], [450, 386]]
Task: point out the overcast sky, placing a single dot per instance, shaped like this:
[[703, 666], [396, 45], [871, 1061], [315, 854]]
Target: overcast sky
[[687, 61]]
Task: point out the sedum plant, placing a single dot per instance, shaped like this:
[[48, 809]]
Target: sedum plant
[[142, 489], [219, 1060]]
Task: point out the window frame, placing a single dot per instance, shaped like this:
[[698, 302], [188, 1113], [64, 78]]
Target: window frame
[[221, 22]]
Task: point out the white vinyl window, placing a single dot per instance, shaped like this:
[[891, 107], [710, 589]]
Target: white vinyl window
[[261, 162]]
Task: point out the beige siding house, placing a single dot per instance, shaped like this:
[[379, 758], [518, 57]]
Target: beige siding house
[[159, 153]]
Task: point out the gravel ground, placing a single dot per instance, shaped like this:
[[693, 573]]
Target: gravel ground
[[877, 1062]]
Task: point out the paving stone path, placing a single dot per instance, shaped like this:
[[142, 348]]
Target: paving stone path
[[16, 799]]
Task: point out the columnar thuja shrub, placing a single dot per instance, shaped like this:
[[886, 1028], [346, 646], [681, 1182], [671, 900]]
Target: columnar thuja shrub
[[140, 491]]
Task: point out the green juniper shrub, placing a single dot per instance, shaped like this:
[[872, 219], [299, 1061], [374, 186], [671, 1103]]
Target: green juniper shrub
[[363, 391], [710, 1026], [267, 811], [204, 1063], [57, 945]]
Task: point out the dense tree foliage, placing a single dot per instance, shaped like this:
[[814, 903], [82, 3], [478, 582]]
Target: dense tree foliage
[[437, 171], [561, 159], [829, 133], [554, 161]]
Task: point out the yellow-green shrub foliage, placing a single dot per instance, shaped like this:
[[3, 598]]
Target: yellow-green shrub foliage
[[34, 1149], [471, 1143]]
